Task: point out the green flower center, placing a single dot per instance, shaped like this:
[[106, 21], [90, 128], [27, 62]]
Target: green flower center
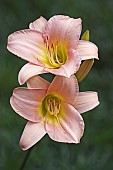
[[51, 105]]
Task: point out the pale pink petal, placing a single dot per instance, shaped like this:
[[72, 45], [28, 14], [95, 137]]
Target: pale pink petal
[[72, 122], [32, 133], [87, 50], [37, 82], [56, 132], [27, 44], [29, 70], [86, 101], [67, 127], [64, 29], [38, 24], [70, 67], [27, 103], [65, 87]]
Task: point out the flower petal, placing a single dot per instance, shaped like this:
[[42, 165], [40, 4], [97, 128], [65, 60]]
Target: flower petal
[[72, 122], [32, 133], [55, 130], [64, 29], [38, 24], [29, 70], [86, 101], [27, 103], [27, 44], [37, 82], [70, 67], [67, 88], [87, 50], [67, 127]]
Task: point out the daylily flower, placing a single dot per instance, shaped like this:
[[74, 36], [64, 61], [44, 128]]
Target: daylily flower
[[51, 46], [52, 108]]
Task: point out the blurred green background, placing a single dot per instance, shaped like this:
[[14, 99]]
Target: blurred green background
[[96, 148]]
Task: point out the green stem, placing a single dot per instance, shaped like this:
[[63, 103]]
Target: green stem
[[25, 159]]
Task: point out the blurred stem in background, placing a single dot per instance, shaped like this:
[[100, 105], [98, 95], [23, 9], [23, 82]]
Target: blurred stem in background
[[25, 159]]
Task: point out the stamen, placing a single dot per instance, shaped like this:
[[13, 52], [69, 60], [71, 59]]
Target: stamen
[[53, 106], [55, 53], [51, 57]]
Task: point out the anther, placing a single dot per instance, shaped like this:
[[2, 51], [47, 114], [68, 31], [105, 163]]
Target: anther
[[53, 107]]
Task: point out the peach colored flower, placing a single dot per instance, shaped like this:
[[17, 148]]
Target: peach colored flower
[[51, 46], [52, 108]]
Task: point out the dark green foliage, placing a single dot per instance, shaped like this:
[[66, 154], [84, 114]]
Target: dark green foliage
[[96, 148]]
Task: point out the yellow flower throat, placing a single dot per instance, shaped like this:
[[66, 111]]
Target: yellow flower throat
[[56, 54], [51, 105]]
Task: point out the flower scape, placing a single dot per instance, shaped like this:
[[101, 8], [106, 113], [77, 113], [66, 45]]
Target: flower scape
[[55, 108]]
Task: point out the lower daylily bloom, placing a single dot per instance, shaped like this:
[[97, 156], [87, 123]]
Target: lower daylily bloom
[[51, 46], [52, 108]]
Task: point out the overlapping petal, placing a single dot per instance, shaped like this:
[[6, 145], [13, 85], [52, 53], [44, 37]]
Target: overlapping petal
[[27, 44], [56, 132], [27, 102], [64, 29], [32, 133], [87, 50], [70, 67], [67, 127], [37, 82], [72, 122], [67, 88], [86, 101], [29, 70], [39, 24]]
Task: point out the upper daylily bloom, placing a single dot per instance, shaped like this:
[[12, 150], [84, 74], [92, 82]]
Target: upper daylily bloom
[[51, 46], [52, 108]]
